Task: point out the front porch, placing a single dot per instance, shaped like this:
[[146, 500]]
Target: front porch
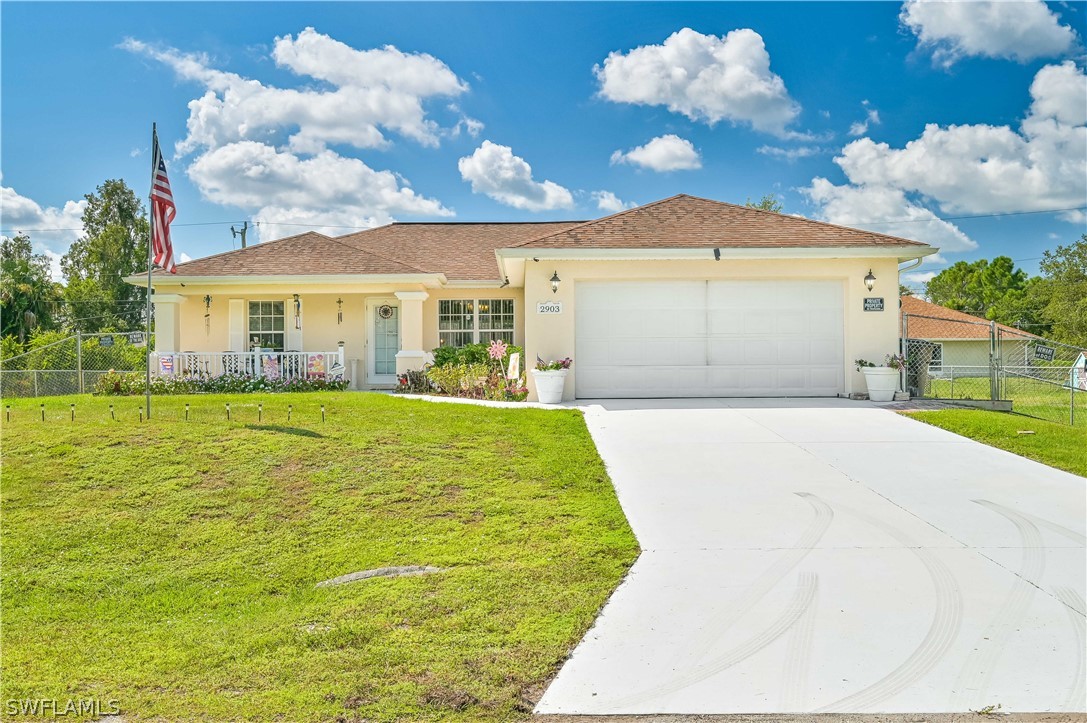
[[366, 336]]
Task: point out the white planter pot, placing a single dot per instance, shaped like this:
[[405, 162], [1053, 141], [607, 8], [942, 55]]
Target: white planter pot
[[549, 385], [882, 383]]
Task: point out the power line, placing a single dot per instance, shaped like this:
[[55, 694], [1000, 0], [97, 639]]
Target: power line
[[172, 225], [326, 225]]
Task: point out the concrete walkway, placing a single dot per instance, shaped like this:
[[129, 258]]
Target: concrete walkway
[[810, 556]]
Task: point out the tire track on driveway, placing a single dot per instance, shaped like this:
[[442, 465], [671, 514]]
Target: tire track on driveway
[[972, 685], [946, 621]]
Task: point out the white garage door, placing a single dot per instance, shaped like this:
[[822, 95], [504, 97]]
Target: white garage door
[[708, 339]]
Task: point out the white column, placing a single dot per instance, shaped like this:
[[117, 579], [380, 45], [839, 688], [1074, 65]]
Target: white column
[[411, 355], [167, 322]]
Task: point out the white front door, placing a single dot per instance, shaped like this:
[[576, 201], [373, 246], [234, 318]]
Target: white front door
[[709, 338], [382, 340]]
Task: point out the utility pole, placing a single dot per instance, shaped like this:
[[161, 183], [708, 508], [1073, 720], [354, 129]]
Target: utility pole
[[237, 233]]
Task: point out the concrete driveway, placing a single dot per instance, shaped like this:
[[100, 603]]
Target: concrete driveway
[[830, 556]]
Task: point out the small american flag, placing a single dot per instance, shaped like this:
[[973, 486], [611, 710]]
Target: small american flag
[[162, 211]]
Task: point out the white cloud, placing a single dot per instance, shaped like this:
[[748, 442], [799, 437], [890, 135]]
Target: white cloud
[[325, 190], [19, 214], [992, 169], [790, 154], [372, 92], [704, 77], [51, 229], [859, 128], [884, 209], [266, 148], [664, 153], [494, 171], [917, 279], [970, 169], [1020, 30], [609, 202]]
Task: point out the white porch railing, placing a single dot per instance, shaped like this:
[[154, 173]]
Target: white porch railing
[[271, 364]]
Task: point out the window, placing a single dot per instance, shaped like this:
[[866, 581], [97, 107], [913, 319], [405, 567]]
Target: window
[[266, 324], [496, 320], [465, 321]]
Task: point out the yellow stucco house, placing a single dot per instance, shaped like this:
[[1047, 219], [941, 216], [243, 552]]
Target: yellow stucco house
[[681, 297]]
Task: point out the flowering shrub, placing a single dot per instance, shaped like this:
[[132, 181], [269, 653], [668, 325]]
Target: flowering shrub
[[553, 365], [114, 383], [414, 382], [476, 371]]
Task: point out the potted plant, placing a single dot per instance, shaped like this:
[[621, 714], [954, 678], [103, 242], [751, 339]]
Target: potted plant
[[882, 380], [550, 378]]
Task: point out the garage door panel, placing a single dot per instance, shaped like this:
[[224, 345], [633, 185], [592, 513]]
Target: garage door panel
[[709, 338]]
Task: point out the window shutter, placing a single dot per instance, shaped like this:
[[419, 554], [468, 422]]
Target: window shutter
[[292, 340], [237, 325]]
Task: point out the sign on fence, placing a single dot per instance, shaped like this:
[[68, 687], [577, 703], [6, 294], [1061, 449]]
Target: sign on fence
[[1045, 353], [135, 338], [105, 341]]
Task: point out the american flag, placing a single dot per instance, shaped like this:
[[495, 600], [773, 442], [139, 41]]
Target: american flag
[[162, 211]]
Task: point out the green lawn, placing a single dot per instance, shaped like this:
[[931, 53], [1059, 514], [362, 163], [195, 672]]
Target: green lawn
[[1029, 396], [171, 565], [1057, 445]]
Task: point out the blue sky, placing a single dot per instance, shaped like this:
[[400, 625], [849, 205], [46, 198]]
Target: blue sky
[[303, 117]]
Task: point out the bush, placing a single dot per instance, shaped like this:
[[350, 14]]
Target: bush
[[472, 354], [460, 380], [116, 383]]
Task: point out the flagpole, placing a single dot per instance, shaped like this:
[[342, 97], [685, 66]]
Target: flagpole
[[150, 240]]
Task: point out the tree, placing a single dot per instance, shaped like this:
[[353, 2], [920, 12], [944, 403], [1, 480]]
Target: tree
[[904, 290], [28, 295], [1061, 292], [976, 287], [115, 246], [769, 202]]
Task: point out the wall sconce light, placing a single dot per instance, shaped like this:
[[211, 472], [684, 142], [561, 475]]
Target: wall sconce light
[[870, 280], [555, 282], [297, 312], [717, 254], [339, 311]]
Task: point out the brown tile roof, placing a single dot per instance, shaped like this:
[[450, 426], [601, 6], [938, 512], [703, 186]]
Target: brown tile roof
[[932, 321], [689, 222]]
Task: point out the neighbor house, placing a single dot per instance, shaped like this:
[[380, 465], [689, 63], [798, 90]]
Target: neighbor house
[[954, 342], [681, 297]]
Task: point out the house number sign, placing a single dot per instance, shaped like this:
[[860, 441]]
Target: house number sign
[[873, 303], [549, 307]]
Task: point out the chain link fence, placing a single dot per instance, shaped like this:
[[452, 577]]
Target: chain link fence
[[1041, 377], [71, 365], [982, 361]]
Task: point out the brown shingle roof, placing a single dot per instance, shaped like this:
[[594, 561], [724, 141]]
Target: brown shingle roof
[[458, 250], [466, 251], [689, 222], [933, 321]]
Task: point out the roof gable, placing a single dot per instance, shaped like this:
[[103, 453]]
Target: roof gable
[[684, 221]]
